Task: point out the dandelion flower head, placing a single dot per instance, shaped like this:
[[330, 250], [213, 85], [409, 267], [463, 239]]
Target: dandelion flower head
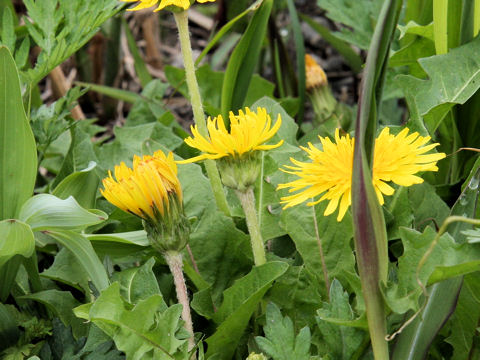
[[249, 131], [147, 189], [329, 174], [184, 4]]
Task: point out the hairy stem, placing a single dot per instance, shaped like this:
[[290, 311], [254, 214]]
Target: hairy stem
[[247, 198], [181, 19], [175, 263]]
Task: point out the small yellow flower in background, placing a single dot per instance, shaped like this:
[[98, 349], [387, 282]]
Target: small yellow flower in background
[[397, 158], [152, 191], [184, 4], [237, 150], [315, 76]]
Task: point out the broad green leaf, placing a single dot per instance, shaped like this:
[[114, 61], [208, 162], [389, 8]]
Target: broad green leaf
[[85, 255], [432, 99], [17, 239], [132, 238], [60, 303], [280, 341], [138, 283], [221, 251], [82, 185], [239, 303], [47, 212], [299, 294], [67, 269], [426, 205], [79, 156], [420, 46], [340, 342], [149, 330], [335, 239], [243, 61], [18, 152]]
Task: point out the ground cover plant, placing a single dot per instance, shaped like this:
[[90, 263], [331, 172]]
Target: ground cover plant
[[256, 180]]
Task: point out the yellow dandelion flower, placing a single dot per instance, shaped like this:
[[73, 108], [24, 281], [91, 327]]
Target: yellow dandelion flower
[[330, 172], [400, 165], [147, 189], [236, 151], [315, 76], [249, 131], [184, 4]]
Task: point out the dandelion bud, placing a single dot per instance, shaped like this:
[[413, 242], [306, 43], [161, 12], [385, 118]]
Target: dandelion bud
[[151, 191], [323, 102], [315, 75]]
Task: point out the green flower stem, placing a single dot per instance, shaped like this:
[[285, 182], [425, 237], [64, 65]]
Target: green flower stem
[[175, 263], [181, 19], [247, 198]]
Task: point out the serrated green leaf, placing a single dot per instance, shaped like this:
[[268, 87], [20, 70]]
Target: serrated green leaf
[[340, 341], [358, 19], [280, 341], [146, 331], [138, 283], [18, 154], [432, 99], [47, 212], [240, 301]]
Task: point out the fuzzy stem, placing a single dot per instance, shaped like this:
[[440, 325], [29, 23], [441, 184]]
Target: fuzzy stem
[[175, 263], [181, 19], [247, 198]]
